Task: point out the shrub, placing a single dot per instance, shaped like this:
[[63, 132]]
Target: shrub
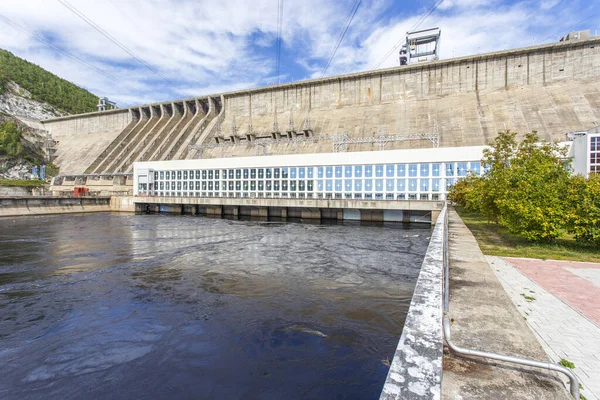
[[584, 214]]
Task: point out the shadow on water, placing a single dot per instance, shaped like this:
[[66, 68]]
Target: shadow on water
[[186, 307]]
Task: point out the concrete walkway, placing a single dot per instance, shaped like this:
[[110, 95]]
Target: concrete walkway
[[486, 319], [562, 309]]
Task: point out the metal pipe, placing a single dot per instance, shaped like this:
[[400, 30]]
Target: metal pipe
[[574, 383]]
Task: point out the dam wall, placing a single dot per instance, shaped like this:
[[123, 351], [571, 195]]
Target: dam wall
[[80, 139], [553, 89]]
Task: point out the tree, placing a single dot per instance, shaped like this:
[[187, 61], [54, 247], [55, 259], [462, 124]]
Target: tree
[[584, 214], [534, 203], [524, 187]]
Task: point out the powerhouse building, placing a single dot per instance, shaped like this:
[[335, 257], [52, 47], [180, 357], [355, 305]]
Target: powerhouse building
[[412, 174]]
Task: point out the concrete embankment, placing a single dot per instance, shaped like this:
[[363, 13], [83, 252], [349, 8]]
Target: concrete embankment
[[42, 205]]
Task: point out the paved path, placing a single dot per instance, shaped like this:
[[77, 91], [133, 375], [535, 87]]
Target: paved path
[[486, 319], [563, 311]]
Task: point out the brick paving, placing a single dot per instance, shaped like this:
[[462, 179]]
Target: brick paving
[[563, 310]]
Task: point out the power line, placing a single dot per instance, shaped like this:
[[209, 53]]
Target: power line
[[98, 28], [9, 22], [353, 11], [422, 19]]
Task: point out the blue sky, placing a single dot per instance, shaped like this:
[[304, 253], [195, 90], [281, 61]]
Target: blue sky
[[208, 47]]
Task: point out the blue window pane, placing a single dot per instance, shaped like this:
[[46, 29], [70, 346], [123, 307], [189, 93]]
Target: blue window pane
[[412, 170], [389, 185], [338, 185], [338, 172], [348, 172], [436, 169], [435, 184], [368, 171], [401, 185], [379, 171], [302, 172], [357, 185], [348, 185], [293, 173], [461, 169], [424, 169], [424, 185], [401, 170], [329, 185], [389, 171], [320, 186], [358, 171], [450, 169], [285, 173], [310, 172], [449, 183], [368, 185], [476, 167], [412, 185], [329, 172], [379, 184]]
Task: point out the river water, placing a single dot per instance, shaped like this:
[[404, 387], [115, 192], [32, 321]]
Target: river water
[[152, 306]]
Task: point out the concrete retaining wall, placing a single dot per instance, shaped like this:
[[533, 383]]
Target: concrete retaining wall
[[18, 206], [416, 370]]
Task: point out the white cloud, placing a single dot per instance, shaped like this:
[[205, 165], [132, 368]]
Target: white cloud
[[207, 47]]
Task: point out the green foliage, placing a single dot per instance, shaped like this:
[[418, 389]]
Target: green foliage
[[566, 363], [51, 170], [13, 146], [532, 201], [468, 192], [21, 183], [45, 86], [523, 189], [584, 216], [10, 140]]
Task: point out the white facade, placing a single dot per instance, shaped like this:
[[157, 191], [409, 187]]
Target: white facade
[[586, 152], [416, 174]]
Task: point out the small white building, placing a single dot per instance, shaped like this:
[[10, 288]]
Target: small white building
[[585, 151]]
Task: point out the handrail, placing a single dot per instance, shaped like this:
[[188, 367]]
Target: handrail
[[574, 383]]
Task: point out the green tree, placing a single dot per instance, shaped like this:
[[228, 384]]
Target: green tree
[[534, 201], [584, 214], [44, 86]]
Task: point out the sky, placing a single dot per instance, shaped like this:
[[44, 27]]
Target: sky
[[174, 49]]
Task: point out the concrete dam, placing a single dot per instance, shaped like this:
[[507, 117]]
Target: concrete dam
[[553, 89]]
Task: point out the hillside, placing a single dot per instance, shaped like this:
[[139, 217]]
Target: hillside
[[42, 86]]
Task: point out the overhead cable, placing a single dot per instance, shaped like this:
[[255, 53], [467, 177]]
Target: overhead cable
[[353, 11], [9, 22], [107, 35]]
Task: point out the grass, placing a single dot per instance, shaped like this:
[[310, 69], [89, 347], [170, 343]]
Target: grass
[[21, 183], [528, 298], [496, 240], [566, 363]]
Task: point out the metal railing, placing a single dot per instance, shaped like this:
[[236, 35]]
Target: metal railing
[[574, 383]]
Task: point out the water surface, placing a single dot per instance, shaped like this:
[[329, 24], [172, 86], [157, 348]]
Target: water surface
[[124, 307]]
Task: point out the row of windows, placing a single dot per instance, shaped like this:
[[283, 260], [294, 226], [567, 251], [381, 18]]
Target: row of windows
[[349, 171], [328, 185], [595, 143]]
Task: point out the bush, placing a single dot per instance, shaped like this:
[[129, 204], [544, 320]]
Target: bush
[[10, 140], [584, 215], [533, 203], [523, 189]]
